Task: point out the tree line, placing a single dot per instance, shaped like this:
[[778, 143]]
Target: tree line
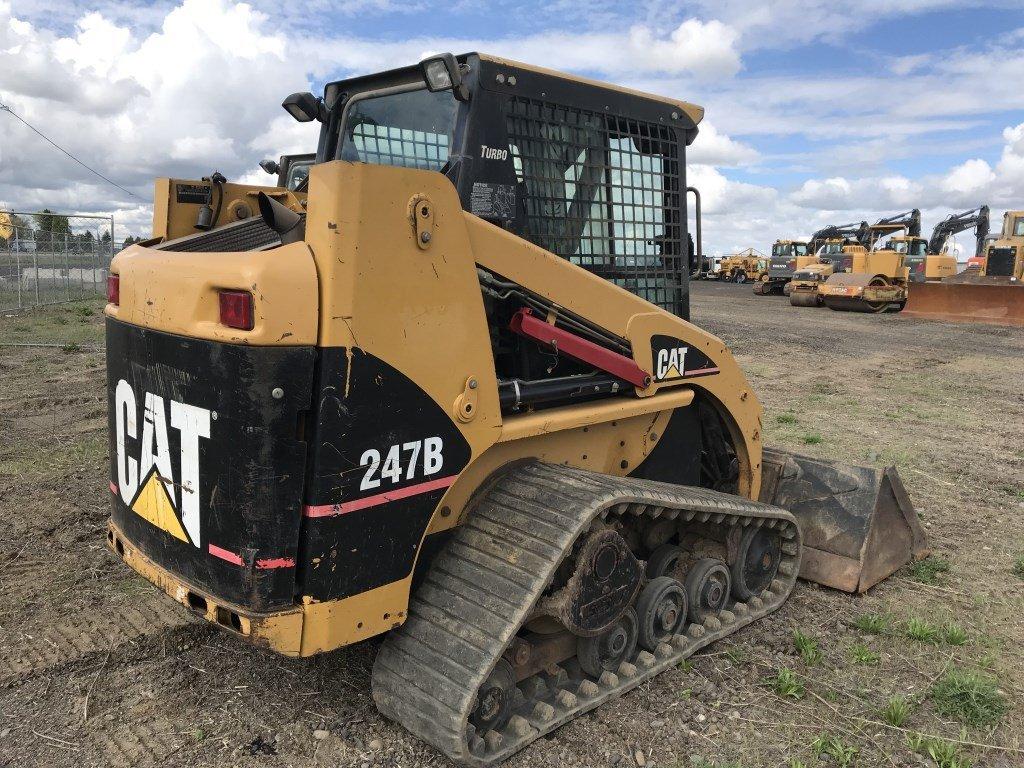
[[53, 230]]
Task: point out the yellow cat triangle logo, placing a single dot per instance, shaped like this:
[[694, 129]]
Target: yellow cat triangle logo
[[672, 373], [153, 504]]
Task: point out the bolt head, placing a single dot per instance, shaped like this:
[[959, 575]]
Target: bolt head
[[424, 237], [277, 393]]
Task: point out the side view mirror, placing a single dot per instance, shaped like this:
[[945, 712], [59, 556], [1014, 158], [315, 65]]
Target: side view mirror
[[305, 107], [270, 166]]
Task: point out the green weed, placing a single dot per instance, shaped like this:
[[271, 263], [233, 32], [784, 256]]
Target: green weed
[[807, 647], [1018, 566], [786, 418], [970, 697], [944, 754], [861, 654], [811, 439], [896, 711], [872, 623], [827, 744], [786, 684], [953, 634], [927, 571], [922, 631]]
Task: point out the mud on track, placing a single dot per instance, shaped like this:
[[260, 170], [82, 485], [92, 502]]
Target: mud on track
[[97, 669]]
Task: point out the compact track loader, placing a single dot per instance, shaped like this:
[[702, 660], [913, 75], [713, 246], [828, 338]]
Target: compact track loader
[[446, 390]]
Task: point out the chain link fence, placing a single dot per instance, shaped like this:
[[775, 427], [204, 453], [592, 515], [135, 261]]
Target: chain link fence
[[52, 258]]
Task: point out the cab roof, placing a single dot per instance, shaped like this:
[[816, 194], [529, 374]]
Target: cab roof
[[692, 111]]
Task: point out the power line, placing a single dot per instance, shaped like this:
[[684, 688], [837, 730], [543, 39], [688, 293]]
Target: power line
[[8, 110]]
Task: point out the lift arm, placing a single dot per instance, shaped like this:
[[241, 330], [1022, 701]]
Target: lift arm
[[958, 222]]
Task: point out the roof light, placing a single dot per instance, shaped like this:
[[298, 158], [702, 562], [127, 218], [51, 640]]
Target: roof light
[[304, 107], [443, 73], [114, 289], [437, 75], [236, 310]]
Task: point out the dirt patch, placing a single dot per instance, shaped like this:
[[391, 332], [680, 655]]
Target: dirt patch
[[97, 669]]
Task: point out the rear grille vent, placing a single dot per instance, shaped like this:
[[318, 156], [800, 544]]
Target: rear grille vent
[[248, 235]]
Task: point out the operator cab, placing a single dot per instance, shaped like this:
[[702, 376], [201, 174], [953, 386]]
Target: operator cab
[[555, 161], [784, 256]]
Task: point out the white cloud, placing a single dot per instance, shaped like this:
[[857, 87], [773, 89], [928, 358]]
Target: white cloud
[[971, 176], [711, 147], [704, 49]]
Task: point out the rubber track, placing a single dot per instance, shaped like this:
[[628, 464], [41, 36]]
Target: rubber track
[[481, 589]]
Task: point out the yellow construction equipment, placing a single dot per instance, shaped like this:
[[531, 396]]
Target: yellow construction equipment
[[445, 390], [748, 264], [992, 293], [784, 260], [876, 279], [803, 288], [929, 259]]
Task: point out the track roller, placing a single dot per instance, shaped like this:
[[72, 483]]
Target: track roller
[[661, 610], [607, 651], [707, 588]]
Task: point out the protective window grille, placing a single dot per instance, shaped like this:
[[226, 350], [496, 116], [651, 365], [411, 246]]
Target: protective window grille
[[603, 192], [389, 145]]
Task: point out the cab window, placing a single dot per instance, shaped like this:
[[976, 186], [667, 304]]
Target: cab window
[[1018, 226]]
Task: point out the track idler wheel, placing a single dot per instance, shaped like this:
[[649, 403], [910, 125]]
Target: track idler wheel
[[606, 580], [494, 700], [605, 652], [661, 611], [757, 561], [707, 588]]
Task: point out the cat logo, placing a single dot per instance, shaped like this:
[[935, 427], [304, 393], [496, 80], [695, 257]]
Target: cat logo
[[670, 363], [674, 359], [146, 477]]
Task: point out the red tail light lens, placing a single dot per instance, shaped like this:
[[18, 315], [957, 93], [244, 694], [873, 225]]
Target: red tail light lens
[[236, 310], [114, 289]]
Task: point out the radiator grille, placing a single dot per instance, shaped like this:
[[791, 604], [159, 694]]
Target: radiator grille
[[248, 235]]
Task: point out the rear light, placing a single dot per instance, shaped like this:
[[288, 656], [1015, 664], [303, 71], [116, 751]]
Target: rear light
[[236, 310], [114, 289]]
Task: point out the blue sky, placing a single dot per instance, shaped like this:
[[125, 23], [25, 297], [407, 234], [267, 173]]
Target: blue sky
[[817, 110]]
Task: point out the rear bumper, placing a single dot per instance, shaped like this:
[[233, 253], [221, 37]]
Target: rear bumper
[[279, 631], [303, 629]]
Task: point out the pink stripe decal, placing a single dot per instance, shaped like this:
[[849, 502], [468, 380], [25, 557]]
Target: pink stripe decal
[[231, 557], [328, 510], [113, 488], [277, 562], [223, 554], [702, 370]]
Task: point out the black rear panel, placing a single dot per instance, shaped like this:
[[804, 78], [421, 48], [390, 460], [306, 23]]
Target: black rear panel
[[382, 456], [206, 460]]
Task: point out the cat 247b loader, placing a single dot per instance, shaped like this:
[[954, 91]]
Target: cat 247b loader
[[446, 390]]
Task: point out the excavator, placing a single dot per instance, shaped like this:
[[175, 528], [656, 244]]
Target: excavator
[[992, 294], [876, 279], [928, 259], [446, 391], [781, 264]]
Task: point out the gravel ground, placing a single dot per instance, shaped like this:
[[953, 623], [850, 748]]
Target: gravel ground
[[97, 669]]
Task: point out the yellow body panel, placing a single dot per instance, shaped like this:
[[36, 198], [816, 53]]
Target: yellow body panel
[[178, 293], [364, 278]]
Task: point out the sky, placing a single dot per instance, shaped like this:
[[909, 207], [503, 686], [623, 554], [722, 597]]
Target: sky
[[817, 111]]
